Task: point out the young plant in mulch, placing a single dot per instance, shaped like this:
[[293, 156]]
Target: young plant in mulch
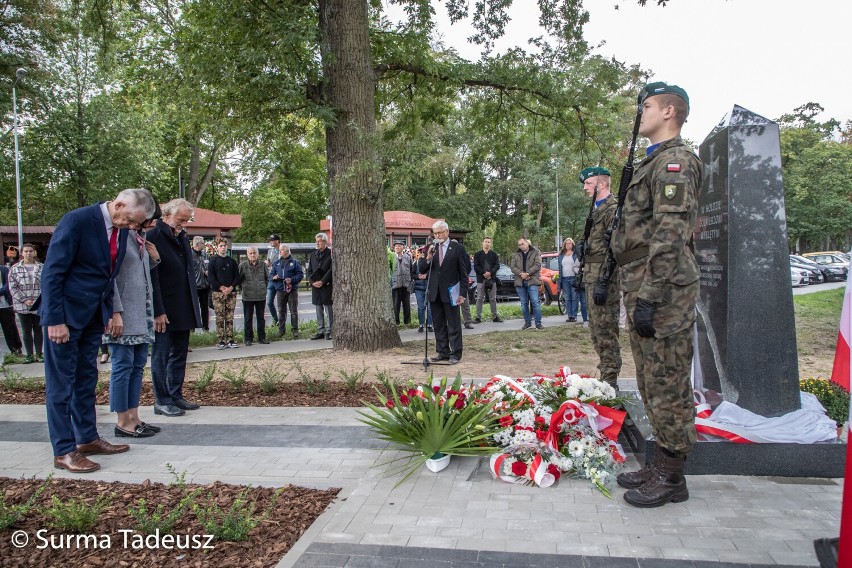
[[270, 380], [10, 514], [236, 381], [234, 523], [159, 520], [312, 385], [429, 421], [831, 396], [352, 380], [75, 515], [207, 376], [13, 380]]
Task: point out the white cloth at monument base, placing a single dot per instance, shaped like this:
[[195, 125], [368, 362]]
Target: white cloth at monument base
[[729, 422]]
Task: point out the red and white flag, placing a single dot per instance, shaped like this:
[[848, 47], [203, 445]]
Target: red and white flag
[[840, 374]]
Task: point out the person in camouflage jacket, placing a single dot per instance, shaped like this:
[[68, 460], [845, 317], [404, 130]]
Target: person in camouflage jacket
[[660, 280], [603, 319]]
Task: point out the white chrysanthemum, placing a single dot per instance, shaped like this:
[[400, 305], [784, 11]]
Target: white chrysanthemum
[[572, 392], [602, 452], [524, 437], [525, 418], [576, 448], [507, 466]]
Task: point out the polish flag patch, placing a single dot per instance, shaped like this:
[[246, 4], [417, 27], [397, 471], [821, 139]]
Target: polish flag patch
[[672, 167]]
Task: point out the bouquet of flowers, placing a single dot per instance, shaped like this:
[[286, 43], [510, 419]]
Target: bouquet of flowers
[[430, 421], [565, 425]]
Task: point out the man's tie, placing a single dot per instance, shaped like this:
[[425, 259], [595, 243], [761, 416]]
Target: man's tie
[[113, 247], [440, 254]]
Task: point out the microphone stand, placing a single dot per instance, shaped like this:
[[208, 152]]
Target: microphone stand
[[426, 362]]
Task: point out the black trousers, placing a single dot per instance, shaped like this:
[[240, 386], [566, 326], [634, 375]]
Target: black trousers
[[204, 304], [250, 309], [31, 326], [10, 330], [447, 322], [402, 297], [288, 301]]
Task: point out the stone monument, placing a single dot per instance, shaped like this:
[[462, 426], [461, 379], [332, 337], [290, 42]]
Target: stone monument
[[746, 328], [746, 334]]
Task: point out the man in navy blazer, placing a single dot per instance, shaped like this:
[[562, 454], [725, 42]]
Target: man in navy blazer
[[176, 310], [447, 264], [77, 280]]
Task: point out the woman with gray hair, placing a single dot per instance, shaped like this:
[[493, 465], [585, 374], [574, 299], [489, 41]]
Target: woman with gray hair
[[319, 275]]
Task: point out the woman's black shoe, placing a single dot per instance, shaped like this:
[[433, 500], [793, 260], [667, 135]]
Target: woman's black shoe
[[151, 427], [138, 432]]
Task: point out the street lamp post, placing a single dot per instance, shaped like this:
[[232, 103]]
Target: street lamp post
[[19, 74], [556, 183]]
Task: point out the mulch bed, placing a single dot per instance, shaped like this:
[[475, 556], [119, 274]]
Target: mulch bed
[[220, 394], [289, 517]]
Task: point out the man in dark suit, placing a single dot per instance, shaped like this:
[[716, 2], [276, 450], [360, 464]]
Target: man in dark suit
[[446, 263], [176, 311], [77, 281]]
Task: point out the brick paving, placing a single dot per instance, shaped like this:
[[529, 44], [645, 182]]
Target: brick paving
[[458, 517]]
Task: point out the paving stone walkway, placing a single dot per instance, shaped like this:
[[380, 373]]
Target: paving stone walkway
[[458, 517]]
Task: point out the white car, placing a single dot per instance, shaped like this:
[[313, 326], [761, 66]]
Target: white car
[[798, 277]]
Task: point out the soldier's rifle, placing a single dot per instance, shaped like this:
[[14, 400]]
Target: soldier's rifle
[[583, 246], [626, 177]]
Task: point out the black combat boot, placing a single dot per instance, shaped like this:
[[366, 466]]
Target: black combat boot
[[635, 479], [667, 485]]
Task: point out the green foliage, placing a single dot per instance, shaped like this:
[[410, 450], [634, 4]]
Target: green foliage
[[179, 477], [159, 520], [236, 381], [207, 376], [431, 422], [352, 380], [10, 514], [76, 515], [270, 380], [13, 380], [313, 386], [236, 522], [833, 397]]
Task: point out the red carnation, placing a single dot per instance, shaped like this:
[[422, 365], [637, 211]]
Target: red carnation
[[436, 389], [554, 471], [506, 421], [389, 404], [404, 400], [540, 434], [519, 468], [412, 392], [539, 419], [459, 404]]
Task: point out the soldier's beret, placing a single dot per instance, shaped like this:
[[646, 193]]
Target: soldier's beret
[[592, 172], [660, 88]]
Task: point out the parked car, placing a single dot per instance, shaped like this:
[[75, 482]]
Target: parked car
[[828, 272], [830, 260], [815, 275], [798, 277]]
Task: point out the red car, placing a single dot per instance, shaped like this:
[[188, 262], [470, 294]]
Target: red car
[[548, 290]]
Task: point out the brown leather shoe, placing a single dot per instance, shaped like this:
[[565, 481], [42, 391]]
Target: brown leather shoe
[[101, 446], [75, 462]]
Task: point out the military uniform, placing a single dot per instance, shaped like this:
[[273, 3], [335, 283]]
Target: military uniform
[[603, 320], [657, 265]]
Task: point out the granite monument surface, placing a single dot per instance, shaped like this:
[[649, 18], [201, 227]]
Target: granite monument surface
[[746, 329]]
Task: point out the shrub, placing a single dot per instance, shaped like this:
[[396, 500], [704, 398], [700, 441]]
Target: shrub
[[236, 381], [313, 386], [354, 379], [270, 380], [831, 395], [207, 376], [232, 524], [75, 515], [10, 514], [158, 520]]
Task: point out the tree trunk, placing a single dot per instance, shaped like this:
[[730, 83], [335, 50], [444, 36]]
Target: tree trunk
[[196, 189], [362, 309]]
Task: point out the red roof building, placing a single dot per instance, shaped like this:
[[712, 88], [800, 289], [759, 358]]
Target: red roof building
[[407, 226]]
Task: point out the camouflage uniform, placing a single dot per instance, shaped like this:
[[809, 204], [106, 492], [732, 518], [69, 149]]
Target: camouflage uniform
[[603, 320], [657, 265]]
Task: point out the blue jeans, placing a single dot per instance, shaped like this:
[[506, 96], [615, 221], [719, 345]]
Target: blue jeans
[[572, 298], [529, 295], [424, 316], [125, 382], [271, 294]]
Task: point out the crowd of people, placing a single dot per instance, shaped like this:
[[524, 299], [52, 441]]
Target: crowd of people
[[124, 275]]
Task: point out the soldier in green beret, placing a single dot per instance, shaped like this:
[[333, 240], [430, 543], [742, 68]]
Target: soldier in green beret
[[659, 278], [603, 314]]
